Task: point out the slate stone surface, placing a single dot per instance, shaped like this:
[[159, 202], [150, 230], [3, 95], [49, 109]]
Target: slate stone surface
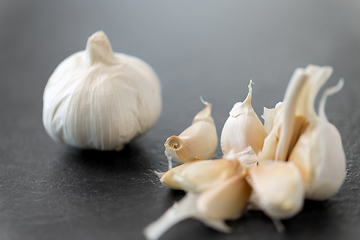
[[206, 47]]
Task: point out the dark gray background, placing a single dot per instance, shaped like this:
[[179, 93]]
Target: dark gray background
[[209, 48]]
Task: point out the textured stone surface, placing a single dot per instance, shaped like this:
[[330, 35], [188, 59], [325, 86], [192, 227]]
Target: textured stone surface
[[208, 48]]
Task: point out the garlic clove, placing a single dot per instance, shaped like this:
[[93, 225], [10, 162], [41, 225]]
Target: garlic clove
[[197, 141], [319, 154], [243, 128], [99, 99], [226, 200], [278, 189], [199, 175], [185, 208]]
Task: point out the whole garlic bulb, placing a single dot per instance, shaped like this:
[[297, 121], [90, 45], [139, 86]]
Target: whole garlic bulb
[[99, 99]]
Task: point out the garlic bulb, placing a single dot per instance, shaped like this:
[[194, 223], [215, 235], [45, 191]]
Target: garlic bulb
[[100, 99], [243, 128], [278, 189], [197, 141], [319, 153]]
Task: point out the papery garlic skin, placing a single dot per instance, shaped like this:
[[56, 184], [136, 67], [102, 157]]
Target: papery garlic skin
[[247, 158], [278, 189], [243, 128], [272, 116], [288, 126], [98, 99], [320, 156], [199, 140]]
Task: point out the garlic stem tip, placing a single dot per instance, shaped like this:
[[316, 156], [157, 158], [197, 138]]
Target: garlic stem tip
[[328, 92], [203, 101]]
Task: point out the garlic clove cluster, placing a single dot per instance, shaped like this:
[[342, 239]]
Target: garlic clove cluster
[[99, 99], [307, 139], [302, 157], [197, 141], [243, 128]]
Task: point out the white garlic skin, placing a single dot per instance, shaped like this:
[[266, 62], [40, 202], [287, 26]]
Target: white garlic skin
[[243, 128], [272, 116], [98, 99]]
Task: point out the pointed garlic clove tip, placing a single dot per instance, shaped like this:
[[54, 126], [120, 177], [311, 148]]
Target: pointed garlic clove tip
[[243, 128], [204, 114], [249, 96]]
